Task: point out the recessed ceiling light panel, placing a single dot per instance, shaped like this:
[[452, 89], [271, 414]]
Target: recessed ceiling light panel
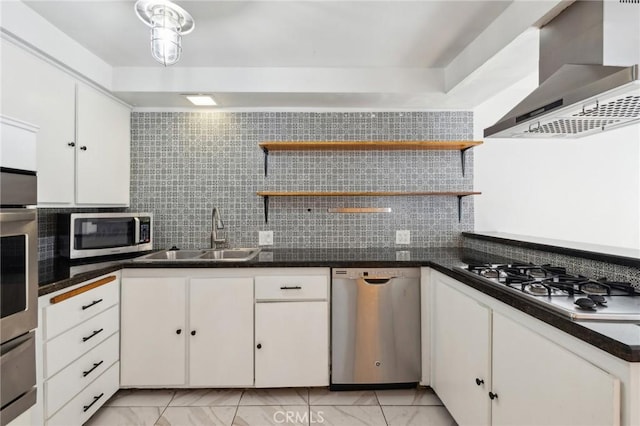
[[201, 100]]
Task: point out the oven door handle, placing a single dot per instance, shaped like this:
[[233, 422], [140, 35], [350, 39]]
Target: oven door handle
[[17, 348]]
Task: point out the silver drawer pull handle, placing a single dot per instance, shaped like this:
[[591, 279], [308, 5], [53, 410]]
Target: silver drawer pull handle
[[291, 288], [95, 365], [95, 399], [95, 302], [84, 339]]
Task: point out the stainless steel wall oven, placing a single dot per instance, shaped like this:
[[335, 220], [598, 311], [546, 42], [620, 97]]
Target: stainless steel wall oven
[[18, 292]]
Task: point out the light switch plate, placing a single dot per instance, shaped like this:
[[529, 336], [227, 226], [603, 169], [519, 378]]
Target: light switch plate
[[265, 238], [403, 237]]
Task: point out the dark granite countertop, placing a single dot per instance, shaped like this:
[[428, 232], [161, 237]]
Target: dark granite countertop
[[619, 339]]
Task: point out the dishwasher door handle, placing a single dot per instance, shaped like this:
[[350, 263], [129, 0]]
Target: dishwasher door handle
[[379, 280]]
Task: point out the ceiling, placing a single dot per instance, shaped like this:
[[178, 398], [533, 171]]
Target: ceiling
[[315, 54]]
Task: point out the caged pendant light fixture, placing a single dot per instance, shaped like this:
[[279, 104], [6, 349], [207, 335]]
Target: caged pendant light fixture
[[168, 23]]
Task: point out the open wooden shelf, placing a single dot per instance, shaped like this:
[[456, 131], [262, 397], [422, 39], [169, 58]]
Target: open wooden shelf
[[461, 146], [266, 194], [366, 145], [359, 193]]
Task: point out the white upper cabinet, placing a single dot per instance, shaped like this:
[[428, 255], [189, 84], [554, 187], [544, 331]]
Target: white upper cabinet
[[70, 115], [36, 92], [102, 144]]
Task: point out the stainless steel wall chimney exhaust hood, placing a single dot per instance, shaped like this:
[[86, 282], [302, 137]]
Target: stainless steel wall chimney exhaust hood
[[589, 74]]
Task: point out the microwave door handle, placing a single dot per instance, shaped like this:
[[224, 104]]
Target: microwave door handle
[[136, 236]]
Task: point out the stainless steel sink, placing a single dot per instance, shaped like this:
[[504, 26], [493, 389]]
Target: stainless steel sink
[[207, 255], [230, 254], [173, 255]]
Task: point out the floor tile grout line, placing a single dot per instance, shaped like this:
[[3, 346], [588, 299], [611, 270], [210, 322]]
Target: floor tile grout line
[[235, 413], [381, 409], [166, 406]]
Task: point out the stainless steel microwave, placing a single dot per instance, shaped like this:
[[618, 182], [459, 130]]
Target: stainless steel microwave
[[83, 235]]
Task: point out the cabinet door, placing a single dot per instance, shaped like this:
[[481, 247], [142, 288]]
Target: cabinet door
[[461, 354], [153, 317], [37, 92], [294, 344], [221, 332], [540, 383], [104, 139]]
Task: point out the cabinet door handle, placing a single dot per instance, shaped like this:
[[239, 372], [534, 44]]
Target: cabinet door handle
[[493, 396], [178, 331], [297, 287], [479, 381], [95, 302], [95, 365], [84, 339], [71, 144], [83, 148], [193, 332], [259, 346], [95, 399]]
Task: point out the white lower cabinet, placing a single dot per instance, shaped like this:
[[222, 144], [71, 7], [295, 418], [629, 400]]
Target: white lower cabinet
[[78, 351], [221, 332], [292, 329], [528, 367], [152, 342], [488, 368], [87, 402], [292, 344], [187, 331], [461, 356], [196, 327]]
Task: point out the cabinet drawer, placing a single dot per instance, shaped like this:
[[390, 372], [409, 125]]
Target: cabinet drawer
[[70, 345], [66, 314], [87, 402], [63, 386], [302, 287]]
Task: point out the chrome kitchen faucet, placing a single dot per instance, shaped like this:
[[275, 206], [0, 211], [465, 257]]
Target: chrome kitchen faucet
[[216, 223]]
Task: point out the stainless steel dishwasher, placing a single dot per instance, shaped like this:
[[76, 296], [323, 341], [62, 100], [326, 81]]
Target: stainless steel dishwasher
[[375, 328]]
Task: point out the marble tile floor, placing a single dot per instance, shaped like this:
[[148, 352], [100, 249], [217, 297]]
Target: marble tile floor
[[281, 407]]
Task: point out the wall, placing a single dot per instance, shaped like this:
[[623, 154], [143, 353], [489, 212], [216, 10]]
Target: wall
[[183, 164], [584, 190]]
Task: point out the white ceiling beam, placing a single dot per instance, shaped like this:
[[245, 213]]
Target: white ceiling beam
[[21, 25], [281, 79], [516, 19]]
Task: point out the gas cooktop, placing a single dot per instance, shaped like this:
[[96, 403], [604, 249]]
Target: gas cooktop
[[576, 296]]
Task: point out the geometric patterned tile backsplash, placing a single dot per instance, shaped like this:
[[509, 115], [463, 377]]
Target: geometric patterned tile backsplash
[[185, 163], [575, 265]]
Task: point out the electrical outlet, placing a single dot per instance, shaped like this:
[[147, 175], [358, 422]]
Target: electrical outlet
[[403, 237], [265, 238], [403, 255]]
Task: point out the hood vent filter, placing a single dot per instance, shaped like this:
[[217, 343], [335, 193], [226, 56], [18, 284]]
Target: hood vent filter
[[616, 112]]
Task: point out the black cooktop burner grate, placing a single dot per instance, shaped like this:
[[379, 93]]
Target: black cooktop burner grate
[[548, 280]]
